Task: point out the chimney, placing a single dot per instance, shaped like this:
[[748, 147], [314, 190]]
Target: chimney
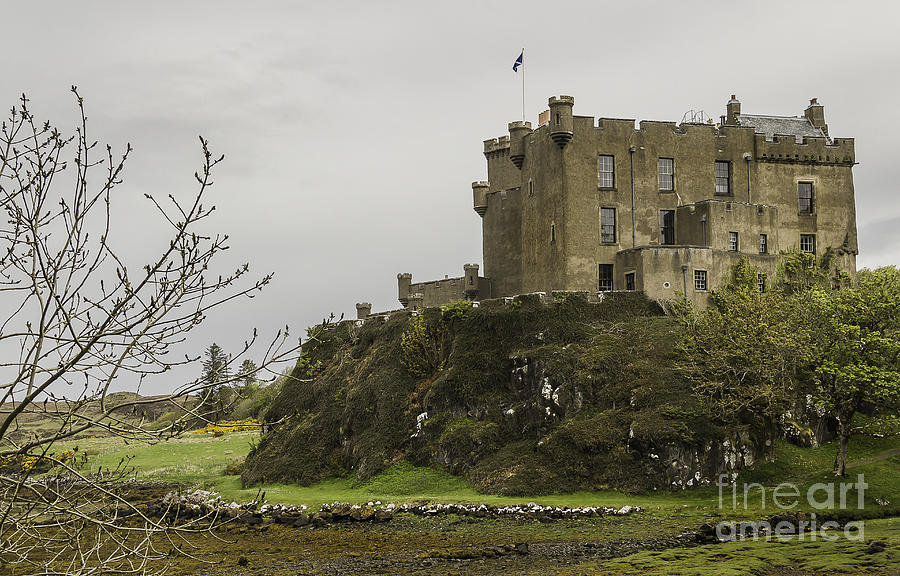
[[733, 110], [815, 113]]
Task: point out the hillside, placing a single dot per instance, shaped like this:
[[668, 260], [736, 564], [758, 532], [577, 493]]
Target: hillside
[[126, 409], [524, 397]]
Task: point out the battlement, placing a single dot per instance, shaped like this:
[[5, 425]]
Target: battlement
[[496, 144], [657, 126], [615, 123], [561, 99], [810, 149]]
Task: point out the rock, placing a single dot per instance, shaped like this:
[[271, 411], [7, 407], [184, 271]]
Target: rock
[[876, 547], [362, 514], [341, 512], [521, 547], [707, 534], [301, 520]]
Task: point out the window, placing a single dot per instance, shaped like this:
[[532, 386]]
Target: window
[[531, 187], [606, 277], [723, 177], [763, 244], [761, 282], [805, 194], [666, 174], [608, 225], [733, 241], [552, 233], [605, 174], [699, 279], [666, 226], [808, 243], [629, 281]]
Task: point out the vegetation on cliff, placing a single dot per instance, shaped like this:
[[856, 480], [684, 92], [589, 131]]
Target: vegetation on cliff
[[523, 398]]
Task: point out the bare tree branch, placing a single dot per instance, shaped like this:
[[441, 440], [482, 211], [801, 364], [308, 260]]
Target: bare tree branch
[[77, 321]]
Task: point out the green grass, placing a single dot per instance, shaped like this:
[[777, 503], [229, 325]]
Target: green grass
[[842, 556], [192, 458], [201, 460]]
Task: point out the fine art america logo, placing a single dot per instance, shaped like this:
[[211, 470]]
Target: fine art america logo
[[786, 497]]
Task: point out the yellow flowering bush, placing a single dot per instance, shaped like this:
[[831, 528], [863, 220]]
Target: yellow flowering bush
[[32, 464], [225, 426]]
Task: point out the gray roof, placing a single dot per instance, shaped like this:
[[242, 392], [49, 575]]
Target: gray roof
[[798, 126]]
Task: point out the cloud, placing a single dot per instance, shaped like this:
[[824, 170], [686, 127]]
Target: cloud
[[879, 243]]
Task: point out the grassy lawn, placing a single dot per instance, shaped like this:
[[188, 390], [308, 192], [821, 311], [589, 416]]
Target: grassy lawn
[[201, 459], [191, 459]]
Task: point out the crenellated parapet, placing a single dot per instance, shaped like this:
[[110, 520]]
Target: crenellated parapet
[[495, 145], [657, 127], [615, 123], [811, 150]]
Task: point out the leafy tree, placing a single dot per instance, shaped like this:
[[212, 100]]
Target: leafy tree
[[81, 320], [856, 358], [742, 352], [752, 355]]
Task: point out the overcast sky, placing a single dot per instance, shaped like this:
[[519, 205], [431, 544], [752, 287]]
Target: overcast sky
[[353, 130]]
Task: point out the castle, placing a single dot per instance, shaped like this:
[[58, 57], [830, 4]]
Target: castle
[[587, 205]]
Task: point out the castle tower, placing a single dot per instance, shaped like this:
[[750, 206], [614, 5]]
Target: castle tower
[[561, 123], [518, 131], [479, 194], [471, 281], [363, 309], [815, 113], [404, 280], [733, 109]]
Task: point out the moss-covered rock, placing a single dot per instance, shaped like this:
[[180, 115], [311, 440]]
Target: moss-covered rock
[[522, 397]]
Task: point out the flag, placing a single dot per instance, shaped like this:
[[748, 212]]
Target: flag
[[519, 61]]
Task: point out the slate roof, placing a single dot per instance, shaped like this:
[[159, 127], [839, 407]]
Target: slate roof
[[798, 126]]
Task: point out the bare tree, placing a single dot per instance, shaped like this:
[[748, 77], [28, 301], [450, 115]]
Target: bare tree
[[77, 322]]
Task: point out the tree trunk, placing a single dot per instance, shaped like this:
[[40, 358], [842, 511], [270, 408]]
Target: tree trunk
[[840, 460]]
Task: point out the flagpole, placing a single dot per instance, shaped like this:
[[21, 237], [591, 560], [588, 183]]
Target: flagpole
[[523, 84]]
